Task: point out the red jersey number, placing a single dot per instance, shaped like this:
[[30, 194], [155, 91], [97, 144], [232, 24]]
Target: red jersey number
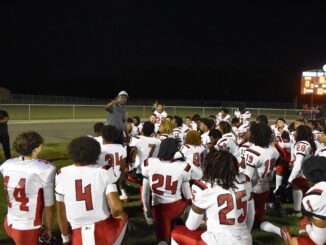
[[19, 194], [169, 185], [84, 194]]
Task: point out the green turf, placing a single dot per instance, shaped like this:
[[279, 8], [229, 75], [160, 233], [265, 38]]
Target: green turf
[[144, 234], [48, 112]]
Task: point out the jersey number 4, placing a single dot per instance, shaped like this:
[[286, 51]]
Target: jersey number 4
[[227, 198], [19, 193], [84, 194]]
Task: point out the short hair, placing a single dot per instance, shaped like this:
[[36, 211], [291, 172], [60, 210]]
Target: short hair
[[225, 127], [188, 117], [215, 133], [153, 115], [225, 110], [137, 119], [129, 120], [98, 127], [195, 118], [166, 127], [168, 148], [260, 134], [148, 128], [314, 169], [262, 119], [110, 133], [193, 138], [84, 150], [169, 117], [26, 142], [178, 120], [207, 122], [280, 119], [221, 167], [305, 133], [235, 120]]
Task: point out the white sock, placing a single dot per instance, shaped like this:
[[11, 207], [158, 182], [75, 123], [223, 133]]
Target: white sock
[[123, 192], [278, 181], [269, 227], [297, 199]]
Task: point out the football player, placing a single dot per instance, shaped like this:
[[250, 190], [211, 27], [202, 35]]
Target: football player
[[225, 197], [204, 127], [168, 179], [28, 182], [223, 116], [87, 198], [160, 113]]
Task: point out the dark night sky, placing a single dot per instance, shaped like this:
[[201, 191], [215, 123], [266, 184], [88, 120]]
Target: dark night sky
[[243, 50]]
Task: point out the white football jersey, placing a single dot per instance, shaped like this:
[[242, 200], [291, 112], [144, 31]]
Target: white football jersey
[[205, 138], [179, 135], [164, 136], [240, 131], [303, 149], [321, 152], [226, 210], [193, 126], [29, 186], [219, 118], [195, 156], [83, 189], [260, 164], [146, 147], [243, 147], [113, 155], [160, 117], [277, 133], [99, 139], [228, 143], [244, 117], [166, 179], [314, 201]]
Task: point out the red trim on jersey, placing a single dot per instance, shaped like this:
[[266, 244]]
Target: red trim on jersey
[[200, 184], [187, 168], [222, 141], [247, 178], [253, 151], [106, 167], [315, 192], [323, 150], [146, 163], [39, 207], [187, 146]]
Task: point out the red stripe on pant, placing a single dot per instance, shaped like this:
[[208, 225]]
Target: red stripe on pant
[[106, 232], [164, 214], [260, 200], [22, 237], [183, 236]]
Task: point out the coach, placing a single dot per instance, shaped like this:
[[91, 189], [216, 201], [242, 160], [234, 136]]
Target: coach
[[117, 113], [4, 136]]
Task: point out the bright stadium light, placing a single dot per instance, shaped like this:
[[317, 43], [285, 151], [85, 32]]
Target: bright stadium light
[[324, 68]]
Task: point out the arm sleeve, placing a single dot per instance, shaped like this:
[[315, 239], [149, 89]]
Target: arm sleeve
[[194, 220], [186, 192], [47, 179], [297, 165], [146, 193], [250, 165], [110, 181]]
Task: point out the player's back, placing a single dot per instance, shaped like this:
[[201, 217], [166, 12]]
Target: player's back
[[147, 147], [166, 178], [228, 143], [83, 189], [195, 156], [26, 182], [263, 161], [226, 210]]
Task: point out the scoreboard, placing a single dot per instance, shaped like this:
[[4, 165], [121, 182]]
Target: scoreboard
[[313, 82]]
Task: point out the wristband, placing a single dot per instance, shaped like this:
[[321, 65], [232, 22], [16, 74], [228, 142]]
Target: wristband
[[66, 238]]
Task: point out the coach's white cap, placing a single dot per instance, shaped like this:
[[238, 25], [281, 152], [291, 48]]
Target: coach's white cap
[[123, 93]]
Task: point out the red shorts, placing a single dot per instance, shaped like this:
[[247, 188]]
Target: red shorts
[[106, 232], [305, 240], [22, 237], [260, 200], [164, 214], [183, 236], [301, 183]]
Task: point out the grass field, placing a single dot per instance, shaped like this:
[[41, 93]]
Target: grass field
[[144, 234], [48, 112]]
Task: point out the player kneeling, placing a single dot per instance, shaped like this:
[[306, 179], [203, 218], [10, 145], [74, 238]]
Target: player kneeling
[[224, 196], [314, 202], [85, 192], [166, 177], [28, 182]]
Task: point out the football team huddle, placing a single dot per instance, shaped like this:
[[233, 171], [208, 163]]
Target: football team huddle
[[201, 181]]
